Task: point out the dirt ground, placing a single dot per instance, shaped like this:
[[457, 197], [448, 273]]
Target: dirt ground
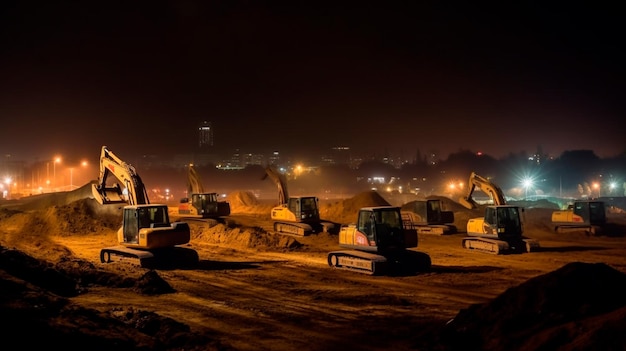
[[257, 290]]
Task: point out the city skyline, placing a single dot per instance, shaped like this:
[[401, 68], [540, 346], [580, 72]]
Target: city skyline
[[303, 77]]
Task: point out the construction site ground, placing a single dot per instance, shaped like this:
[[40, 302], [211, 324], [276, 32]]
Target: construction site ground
[[258, 290]]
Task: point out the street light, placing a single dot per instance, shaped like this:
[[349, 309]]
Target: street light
[[526, 183], [82, 164], [597, 186], [54, 171]]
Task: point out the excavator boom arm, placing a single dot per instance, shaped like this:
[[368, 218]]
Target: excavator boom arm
[[489, 188], [280, 182], [111, 165], [194, 184]]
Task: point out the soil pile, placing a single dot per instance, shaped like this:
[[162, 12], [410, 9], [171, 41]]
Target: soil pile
[[34, 296], [244, 238], [43, 201], [579, 304], [246, 202], [345, 211]]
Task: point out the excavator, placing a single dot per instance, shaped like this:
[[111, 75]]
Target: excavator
[[201, 204], [500, 230], [146, 233], [582, 215], [428, 217], [378, 243], [295, 215]]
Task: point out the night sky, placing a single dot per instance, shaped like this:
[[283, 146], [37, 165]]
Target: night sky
[[302, 77]]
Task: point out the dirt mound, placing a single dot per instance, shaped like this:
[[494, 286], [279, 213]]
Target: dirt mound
[[573, 305], [448, 204], [244, 237], [43, 201], [151, 283], [83, 216], [33, 296], [345, 211], [246, 202], [242, 198]]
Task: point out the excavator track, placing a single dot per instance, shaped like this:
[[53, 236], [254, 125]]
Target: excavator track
[[176, 257], [296, 229], [141, 257], [358, 261], [589, 229], [498, 247], [491, 246]]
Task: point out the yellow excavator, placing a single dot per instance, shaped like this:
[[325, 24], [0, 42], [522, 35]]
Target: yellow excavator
[[379, 243], [200, 203], [295, 215], [500, 230], [146, 233], [428, 217], [582, 215]]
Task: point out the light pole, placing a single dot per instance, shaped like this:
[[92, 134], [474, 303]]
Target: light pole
[[82, 164], [54, 172], [597, 186]]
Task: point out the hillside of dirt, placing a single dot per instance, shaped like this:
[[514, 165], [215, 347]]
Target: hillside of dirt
[[257, 290]]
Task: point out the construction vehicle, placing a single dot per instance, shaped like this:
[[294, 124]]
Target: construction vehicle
[[295, 215], [428, 217], [378, 244], [200, 203], [146, 233], [501, 229], [582, 215]]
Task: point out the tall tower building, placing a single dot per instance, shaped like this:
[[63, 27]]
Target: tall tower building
[[205, 136]]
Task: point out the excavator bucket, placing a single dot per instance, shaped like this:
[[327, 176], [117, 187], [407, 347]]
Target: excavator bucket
[[108, 195]]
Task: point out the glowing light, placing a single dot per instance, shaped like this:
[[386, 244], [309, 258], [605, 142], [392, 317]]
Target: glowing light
[[527, 183]]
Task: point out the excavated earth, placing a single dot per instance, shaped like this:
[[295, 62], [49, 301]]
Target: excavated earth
[[257, 290]]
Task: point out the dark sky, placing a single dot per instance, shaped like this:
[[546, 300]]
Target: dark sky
[[301, 77]]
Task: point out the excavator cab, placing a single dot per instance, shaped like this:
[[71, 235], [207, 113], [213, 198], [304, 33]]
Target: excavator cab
[[140, 219], [378, 242], [503, 221], [587, 215], [304, 208]]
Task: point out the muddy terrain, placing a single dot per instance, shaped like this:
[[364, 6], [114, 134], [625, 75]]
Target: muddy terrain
[[258, 290]]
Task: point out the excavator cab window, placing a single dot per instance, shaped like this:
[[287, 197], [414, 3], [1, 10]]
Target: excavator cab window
[[433, 211], [597, 213], [508, 218], [388, 227], [152, 217], [490, 216], [367, 222], [390, 218], [294, 206], [309, 204], [143, 218], [131, 226]]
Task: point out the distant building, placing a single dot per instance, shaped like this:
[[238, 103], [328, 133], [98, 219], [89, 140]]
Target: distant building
[[205, 136], [274, 158]]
